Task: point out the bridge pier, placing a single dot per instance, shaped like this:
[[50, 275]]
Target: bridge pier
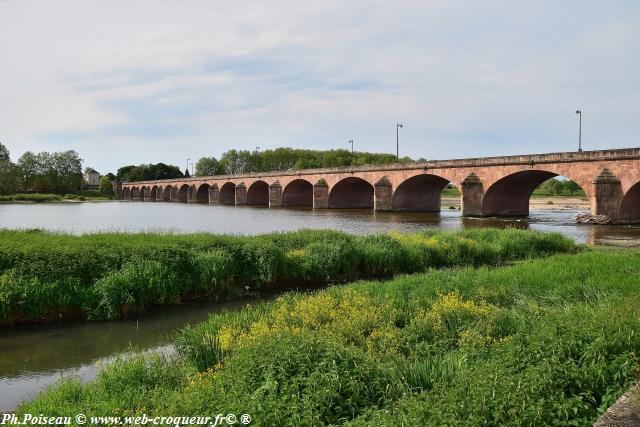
[[607, 194], [159, 195], [147, 194], [175, 194], [275, 194], [472, 195], [117, 189], [241, 194], [321, 194], [383, 195], [192, 195], [214, 194]]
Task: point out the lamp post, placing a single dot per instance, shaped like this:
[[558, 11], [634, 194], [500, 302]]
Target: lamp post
[[398, 126], [191, 168], [579, 113], [188, 160], [351, 142]]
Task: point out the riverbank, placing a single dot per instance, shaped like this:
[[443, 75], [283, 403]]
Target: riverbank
[[541, 342], [535, 203], [82, 196], [46, 276]]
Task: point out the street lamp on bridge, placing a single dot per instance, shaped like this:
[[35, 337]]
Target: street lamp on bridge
[[351, 142], [579, 113], [398, 126]]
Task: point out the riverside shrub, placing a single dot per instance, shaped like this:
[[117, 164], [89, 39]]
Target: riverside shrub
[[106, 276]]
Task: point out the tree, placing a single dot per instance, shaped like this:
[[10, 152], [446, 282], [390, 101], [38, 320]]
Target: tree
[[551, 187], [106, 186], [572, 187], [148, 172], [9, 173], [208, 166], [30, 169], [123, 173], [163, 171], [67, 167], [186, 173], [4, 153]]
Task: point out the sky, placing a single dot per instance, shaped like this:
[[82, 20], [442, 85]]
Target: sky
[[131, 82]]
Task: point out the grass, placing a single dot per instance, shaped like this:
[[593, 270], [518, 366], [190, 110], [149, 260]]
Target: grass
[[106, 276], [41, 197], [450, 192], [543, 342], [31, 197]]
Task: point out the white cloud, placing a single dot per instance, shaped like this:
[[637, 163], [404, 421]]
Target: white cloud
[[132, 82]]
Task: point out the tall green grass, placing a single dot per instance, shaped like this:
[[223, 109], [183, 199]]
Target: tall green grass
[[542, 342], [106, 276]]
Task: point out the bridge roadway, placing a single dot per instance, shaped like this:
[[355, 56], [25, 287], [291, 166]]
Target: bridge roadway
[[490, 186]]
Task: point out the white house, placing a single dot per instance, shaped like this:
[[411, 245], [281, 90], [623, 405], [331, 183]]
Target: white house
[[92, 179]]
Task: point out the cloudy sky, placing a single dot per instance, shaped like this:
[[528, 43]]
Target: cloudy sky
[[147, 81]]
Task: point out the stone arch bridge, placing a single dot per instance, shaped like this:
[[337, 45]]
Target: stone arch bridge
[[491, 186]]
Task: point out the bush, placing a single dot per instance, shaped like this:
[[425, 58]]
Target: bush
[[132, 288]]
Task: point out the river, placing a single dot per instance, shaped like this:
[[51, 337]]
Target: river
[[36, 356]]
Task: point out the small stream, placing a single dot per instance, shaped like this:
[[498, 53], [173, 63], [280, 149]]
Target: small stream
[[35, 356]]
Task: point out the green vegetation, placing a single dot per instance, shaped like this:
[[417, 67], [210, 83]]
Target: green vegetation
[[40, 197], [282, 159], [105, 276], [450, 191], [43, 173], [147, 172], [541, 342], [554, 187], [106, 186]]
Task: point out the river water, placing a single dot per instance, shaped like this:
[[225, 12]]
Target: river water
[[36, 356]]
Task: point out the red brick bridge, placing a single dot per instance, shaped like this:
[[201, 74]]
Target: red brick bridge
[[491, 186]]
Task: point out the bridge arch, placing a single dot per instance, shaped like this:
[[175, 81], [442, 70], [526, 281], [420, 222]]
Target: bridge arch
[[202, 194], [298, 192], [166, 193], [509, 195], [152, 194], [630, 205], [351, 193], [143, 190], [227, 194], [419, 193], [126, 193], [183, 193], [135, 193], [258, 193]]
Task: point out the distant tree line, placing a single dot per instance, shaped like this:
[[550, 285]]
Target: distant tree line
[[147, 172], [59, 172], [558, 187], [282, 159]]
